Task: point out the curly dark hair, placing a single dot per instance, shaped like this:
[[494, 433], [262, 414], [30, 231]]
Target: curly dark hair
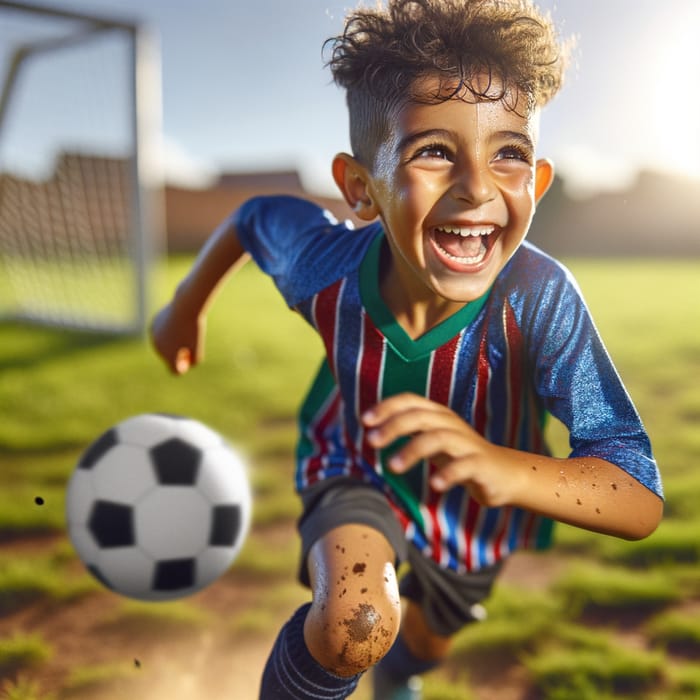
[[383, 53]]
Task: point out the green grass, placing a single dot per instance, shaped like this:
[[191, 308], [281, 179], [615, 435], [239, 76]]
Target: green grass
[[88, 289], [436, 688], [23, 688], [591, 674], [24, 580], [21, 651], [87, 681], [591, 588], [537, 614], [676, 630], [61, 389], [277, 561], [47, 405], [170, 618], [676, 541], [684, 682]]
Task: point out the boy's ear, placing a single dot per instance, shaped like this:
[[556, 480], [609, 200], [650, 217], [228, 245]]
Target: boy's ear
[[352, 180], [544, 176]]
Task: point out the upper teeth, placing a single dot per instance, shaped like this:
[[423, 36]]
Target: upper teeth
[[467, 231]]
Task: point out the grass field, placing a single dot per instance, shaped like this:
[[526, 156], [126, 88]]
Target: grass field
[[596, 618]]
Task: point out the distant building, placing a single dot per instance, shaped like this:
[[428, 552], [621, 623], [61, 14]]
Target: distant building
[[659, 215], [192, 214]]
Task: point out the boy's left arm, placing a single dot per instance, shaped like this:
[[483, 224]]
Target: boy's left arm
[[587, 492]]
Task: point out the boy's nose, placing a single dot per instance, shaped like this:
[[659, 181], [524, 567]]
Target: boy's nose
[[473, 185]]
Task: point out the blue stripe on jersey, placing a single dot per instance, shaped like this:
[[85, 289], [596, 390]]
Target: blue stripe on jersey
[[347, 353], [454, 503]]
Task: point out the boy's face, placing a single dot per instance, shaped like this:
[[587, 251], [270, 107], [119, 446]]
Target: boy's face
[[455, 185]]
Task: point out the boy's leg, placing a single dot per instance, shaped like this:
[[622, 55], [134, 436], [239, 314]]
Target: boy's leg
[[291, 673], [352, 622], [439, 603], [356, 609], [417, 650]]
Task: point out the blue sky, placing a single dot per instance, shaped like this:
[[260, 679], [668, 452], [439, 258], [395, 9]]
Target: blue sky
[[244, 87]]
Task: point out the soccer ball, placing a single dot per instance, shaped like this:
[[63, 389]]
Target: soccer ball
[[158, 507]]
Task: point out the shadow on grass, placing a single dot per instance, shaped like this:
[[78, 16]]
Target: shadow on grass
[[29, 345]]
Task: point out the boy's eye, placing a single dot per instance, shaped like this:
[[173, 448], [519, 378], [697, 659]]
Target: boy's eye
[[433, 151], [513, 153]]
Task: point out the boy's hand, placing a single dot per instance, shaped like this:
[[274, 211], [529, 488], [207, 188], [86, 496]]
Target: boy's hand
[[178, 338], [463, 457]]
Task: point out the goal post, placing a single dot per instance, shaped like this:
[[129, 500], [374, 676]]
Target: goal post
[[81, 204]]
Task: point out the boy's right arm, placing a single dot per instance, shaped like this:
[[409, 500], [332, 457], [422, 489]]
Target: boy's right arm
[[177, 330]]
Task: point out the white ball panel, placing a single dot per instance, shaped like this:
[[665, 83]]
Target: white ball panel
[[124, 474], [222, 477], [127, 569], [215, 561], [148, 429], [198, 434], [80, 495], [173, 522]]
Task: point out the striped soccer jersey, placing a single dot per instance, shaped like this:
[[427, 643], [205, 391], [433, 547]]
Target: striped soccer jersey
[[528, 347]]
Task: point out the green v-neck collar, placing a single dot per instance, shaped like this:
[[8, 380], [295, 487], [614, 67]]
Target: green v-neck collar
[[390, 328]]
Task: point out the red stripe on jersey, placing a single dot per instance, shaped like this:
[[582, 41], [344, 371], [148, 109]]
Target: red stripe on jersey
[[325, 313], [442, 371], [439, 389], [503, 527], [370, 364], [483, 373], [514, 343]]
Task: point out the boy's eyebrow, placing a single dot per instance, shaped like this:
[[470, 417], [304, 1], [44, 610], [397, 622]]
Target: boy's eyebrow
[[523, 139], [443, 134]]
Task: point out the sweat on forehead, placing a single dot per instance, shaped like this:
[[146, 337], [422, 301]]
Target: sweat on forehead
[[385, 53], [373, 122]]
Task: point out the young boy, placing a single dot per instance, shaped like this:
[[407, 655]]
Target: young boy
[[447, 339]]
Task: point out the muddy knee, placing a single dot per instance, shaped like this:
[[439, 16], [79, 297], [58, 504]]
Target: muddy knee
[[348, 637], [356, 610]]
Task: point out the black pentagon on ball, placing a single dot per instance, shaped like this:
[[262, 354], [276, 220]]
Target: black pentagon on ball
[[225, 526], [112, 524], [174, 574], [176, 462], [98, 449]]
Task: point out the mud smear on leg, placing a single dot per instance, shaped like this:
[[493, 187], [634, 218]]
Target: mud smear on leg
[[362, 623]]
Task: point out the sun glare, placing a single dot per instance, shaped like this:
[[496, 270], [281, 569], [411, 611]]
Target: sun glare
[[674, 110]]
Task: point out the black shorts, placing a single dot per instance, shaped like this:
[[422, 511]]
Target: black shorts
[[449, 600]]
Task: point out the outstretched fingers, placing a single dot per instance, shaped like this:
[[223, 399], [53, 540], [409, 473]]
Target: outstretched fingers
[[406, 414], [437, 434]]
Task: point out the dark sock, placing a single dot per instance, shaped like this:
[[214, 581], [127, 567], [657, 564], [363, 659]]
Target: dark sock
[[395, 669], [291, 673]]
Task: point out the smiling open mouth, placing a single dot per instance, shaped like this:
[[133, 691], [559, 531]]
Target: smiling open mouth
[[466, 245]]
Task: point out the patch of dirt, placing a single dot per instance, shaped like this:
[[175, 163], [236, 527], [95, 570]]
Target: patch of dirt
[[219, 660]]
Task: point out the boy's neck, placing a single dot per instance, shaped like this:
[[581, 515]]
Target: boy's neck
[[416, 316]]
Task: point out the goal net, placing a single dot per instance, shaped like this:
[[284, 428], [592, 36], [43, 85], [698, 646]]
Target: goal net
[[80, 210]]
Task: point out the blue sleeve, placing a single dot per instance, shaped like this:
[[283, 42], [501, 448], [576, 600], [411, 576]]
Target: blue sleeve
[[579, 384], [299, 244]]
